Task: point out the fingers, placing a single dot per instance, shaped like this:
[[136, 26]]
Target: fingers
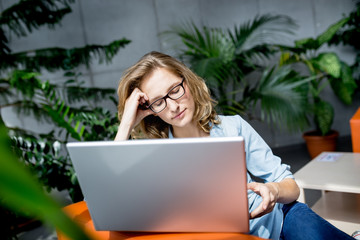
[[132, 115], [141, 98], [138, 97], [257, 212], [268, 199]]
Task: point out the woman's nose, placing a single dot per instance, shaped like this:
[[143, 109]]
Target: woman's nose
[[172, 104]]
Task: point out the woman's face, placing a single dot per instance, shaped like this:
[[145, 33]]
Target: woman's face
[[178, 113]]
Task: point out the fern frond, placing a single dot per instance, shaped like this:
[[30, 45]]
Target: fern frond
[[26, 16], [76, 94], [55, 108], [53, 59]]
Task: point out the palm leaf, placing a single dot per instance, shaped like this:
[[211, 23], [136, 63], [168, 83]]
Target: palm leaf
[[232, 108], [214, 70], [282, 98], [264, 29], [257, 54], [209, 52], [225, 58], [203, 41]]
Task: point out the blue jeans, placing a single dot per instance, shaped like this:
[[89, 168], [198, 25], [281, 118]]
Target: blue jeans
[[300, 222]]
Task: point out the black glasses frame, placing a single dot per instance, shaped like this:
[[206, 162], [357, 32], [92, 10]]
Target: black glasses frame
[[167, 96]]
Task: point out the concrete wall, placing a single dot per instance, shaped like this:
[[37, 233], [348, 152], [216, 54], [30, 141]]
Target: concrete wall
[[141, 21]]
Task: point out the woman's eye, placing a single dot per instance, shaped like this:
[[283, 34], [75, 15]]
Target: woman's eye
[[158, 103], [175, 90]]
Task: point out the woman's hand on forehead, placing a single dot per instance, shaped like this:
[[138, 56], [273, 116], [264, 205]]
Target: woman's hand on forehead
[[139, 96], [133, 114]]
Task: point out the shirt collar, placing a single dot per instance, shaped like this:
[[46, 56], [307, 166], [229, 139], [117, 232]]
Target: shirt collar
[[216, 131]]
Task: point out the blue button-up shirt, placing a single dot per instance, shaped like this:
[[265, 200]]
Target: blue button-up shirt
[[260, 162]]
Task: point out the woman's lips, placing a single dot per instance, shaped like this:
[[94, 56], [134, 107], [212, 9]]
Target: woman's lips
[[180, 115]]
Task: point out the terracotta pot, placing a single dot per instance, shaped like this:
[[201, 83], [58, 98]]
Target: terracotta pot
[[317, 144]]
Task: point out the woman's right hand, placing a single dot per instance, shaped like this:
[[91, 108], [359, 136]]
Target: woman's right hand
[[132, 115]]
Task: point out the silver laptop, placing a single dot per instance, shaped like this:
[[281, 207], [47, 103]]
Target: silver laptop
[[164, 185]]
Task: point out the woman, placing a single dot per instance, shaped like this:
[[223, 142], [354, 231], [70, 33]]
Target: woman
[[167, 100]]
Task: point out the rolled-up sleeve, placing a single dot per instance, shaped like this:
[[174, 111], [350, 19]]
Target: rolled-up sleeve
[[260, 160]]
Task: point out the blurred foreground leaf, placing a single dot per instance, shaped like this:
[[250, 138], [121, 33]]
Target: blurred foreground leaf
[[20, 192]]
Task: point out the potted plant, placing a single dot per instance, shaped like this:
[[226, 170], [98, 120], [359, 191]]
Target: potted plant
[[327, 69], [233, 63]]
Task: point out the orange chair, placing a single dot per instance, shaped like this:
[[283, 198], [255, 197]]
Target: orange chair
[[355, 131], [80, 214]]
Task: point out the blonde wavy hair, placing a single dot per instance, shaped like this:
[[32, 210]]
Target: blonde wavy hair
[[153, 126]]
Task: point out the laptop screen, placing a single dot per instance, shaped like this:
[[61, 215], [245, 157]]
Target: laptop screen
[[164, 185]]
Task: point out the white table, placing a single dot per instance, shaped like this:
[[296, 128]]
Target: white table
[[337, 175]]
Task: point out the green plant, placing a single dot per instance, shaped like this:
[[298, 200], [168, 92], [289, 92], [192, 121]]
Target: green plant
[[46, 154], [326, 68], [72, 110], [349, 34], [23, 90], [20, 192], [231, 61]]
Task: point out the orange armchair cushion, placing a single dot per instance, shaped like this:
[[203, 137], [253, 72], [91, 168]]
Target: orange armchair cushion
[[80, 214]]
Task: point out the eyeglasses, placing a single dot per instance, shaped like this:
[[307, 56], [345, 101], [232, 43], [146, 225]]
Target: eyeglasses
[[175, 93]]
